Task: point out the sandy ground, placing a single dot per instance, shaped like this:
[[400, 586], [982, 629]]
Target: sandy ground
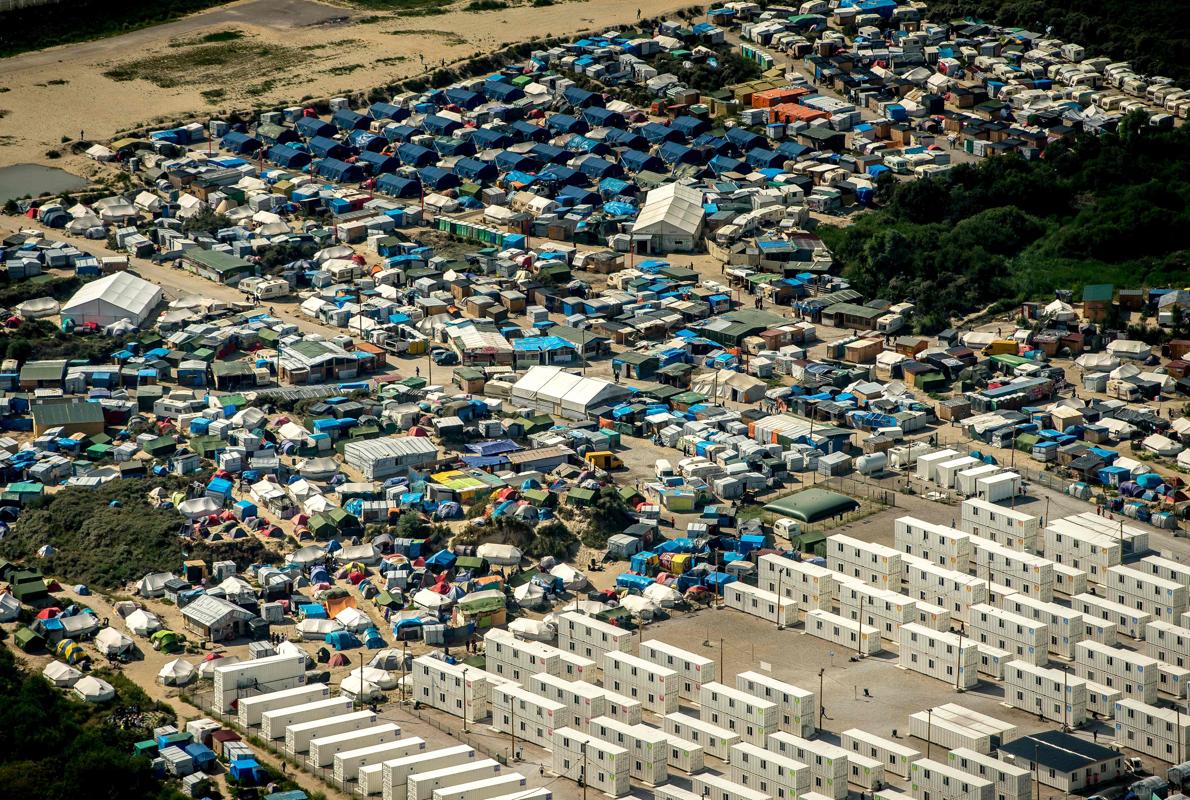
[[391, 48]]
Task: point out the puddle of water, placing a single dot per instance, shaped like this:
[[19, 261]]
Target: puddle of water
[[33, 179]]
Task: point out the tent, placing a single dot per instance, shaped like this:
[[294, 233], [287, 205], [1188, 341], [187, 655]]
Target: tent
[[177, 673], [338, 660], [501, 555], [70, 651], [153, 584], [110, 642], [353, 620], [342, 640], [206, 669], [61, 675], [382, 678], [10, 607], [93, 690], [387, 659], [142, 622], [532, 630], [121, 295], [166, 641], [318, 629]]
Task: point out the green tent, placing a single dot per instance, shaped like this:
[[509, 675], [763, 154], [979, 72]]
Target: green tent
[[166, 641], [27, 639]]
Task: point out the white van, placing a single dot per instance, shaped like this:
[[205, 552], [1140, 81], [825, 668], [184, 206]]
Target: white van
[[664, 469], [787, 527]]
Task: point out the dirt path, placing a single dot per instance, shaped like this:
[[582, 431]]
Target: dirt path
[[63, 92]]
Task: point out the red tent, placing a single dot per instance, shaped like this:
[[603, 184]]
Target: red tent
[[49, 613]]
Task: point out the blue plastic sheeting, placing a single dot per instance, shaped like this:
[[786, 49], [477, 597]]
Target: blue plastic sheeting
[[639, 582], [540, 344]]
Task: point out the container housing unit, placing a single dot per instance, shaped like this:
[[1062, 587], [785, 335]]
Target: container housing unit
[[715, 740], [648, 748], [1050, 693], [797, 708], [1065, 625], [812, 587], [509, 657], [654, 686], [883, 610], [1006, 526], [895, 757], [940, 545], [828, 763], [940, 655], [776, 775], [348, 763], [955, 591], [525, 715], [1026, 573], [1164, 599], [1026, 639], [396, 772], [874, 564], [249, 710], [854, 635], [1159, 732], [742, 713], [601, 765], [693, 670], [323, 749], [244, 680], [1132, 673], [770, 606], [933, 780]]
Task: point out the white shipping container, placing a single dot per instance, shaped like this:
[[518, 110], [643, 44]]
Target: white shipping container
[[527, 794], [602, 765], [1025, 638], [749, 716], [1007, 526], [273, 723], [927, 465], [1102, 700], [622, 708], [583, 701], [243, 680], [1050, 693], [1163, 733], [940, 655], [797, 708], [509, 657], [955, 591], [1132, 673], [250, 709], [299, 736], [1069, 580], [1164, 568], [669, 792], [591, 638], [769, 772], [881, 609], [992, 661], [456, 689], [526, 715], [853, 635], [684, 755], [654, 686], [1021, 572], [397, 771], [872, 563], [716, 787], [348, 763], [1172, 679], [423, 784], [693, 670], [714, 740], [940, 545], [323, 749], [895, 756], [865, 772], [1168, 642], [829, 766], [1065, 625], [577, 668], [933, 779], [760, 603], [648, 748], [510, 785], [1164, 599]]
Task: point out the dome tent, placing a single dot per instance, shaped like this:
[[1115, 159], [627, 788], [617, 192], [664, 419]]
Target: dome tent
[[94, 690], [61, 675], [177, 673]]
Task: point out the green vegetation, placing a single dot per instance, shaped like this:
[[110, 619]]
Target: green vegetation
[[33, 28], [108, 546], [550, 538], [206, 221], [1154, 37], [406, 7], [43, 340], [1106, 209], [52, 746], [486, 5], [224, 63], [210, 38]]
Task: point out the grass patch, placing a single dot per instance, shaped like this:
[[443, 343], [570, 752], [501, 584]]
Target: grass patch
[[416, 7], [224, 63], [391, 60], [449, 36], [542, 3], [486, 5], [213, 95], [33, 28], [4, 112], [57, 82], [343, 69]]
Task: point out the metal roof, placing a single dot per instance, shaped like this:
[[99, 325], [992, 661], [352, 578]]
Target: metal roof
[[77, 412], [1059, 751], [208, 611], [812, 505]]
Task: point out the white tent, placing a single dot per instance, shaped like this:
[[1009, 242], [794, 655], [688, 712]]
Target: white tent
[[142, 622], [152, 585], [572, 579], [308, 555], [319, 469], [38, 308], [100, 153], [1162, 446], [430, 600], [93, 690], [10, 607], [501, 555], [1129, 348], [529, 595], [353, 619], [178, 672], [198, 507], [120, 295], [672, 217], [355, 690], [640, 606], [206, 669], [311, 629], [382, 678], [532, 629], [663, 596], [563, 394], [1097, 362], [1059, 311], [386, 659], [110, 642], [61, 675]]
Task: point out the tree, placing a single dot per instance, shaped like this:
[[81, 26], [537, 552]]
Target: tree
[[205, 221]]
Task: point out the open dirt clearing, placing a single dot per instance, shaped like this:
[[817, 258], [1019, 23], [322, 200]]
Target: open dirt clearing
[[285, 50]]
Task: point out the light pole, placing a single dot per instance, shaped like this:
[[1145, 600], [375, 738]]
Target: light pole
[[465, 700]]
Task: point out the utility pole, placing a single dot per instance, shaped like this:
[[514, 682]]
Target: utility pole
[[930, 729], [360, 696], [958, 672], [722, 658], [583, 774], [465, 700], [780, 576], [821, 706], [859, 637]]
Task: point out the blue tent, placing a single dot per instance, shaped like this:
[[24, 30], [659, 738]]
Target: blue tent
[[398, 187], [312, 610], [528, 132], [379, 162], [562, 175], [309, 127], [288, 157], [581, 98], [464, 98], [476, 171], [240, 143], [414, 155], [618, 137], [597, 168], [502, 92], [576, 196], [744, 139], [437, 178], [550, 154], [638, 161], [489, 139], [674, 153], [365, 141], [443, 559], [508, 161], [600, 117], [688, 126], [342, 640], [347, 120], [762, 158], [401, 133], [387, 111], [336, 170], [372, 639], [657, 133], [439, 125], [564, 123], [323, 147]]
